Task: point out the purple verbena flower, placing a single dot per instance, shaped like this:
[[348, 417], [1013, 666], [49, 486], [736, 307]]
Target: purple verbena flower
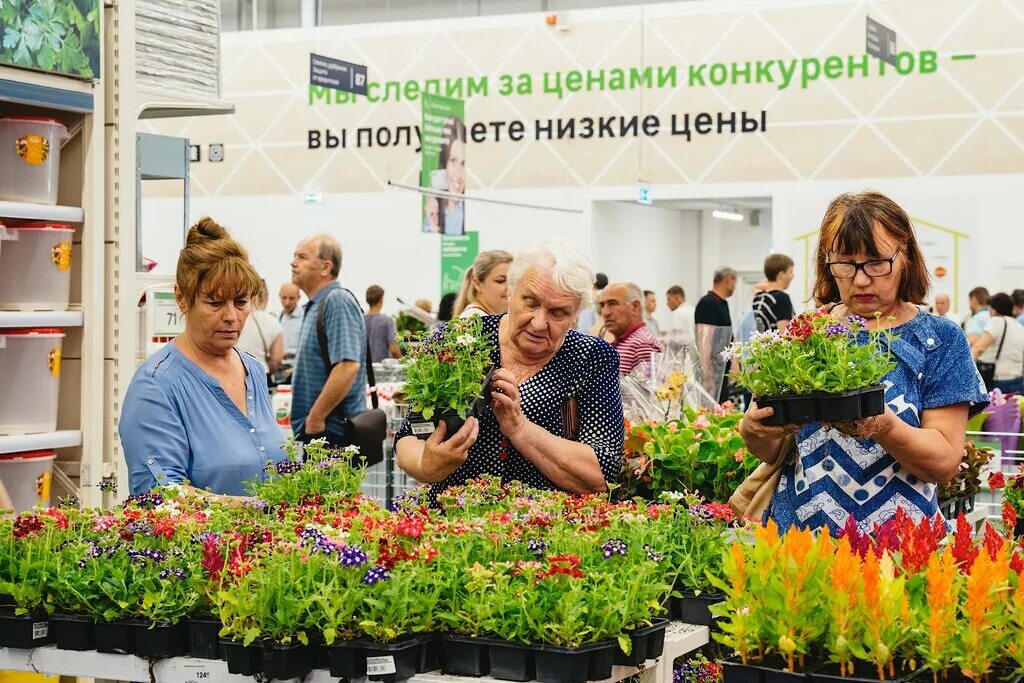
[[856, 320], [536, 547], [288, 467], [353, 556], [701, 512], [139, 528], [837, 330], [311, 535], [614, 546], [375, 574], [177, 573], [652, 554], [108, 485]]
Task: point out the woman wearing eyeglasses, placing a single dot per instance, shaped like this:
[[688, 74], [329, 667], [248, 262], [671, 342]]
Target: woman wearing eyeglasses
[[868, 264]]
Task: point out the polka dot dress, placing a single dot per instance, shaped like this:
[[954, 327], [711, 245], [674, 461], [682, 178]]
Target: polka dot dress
[[586, 368]]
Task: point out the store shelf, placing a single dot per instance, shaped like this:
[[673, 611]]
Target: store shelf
[[41, 212], [41, 319], [679, 640], [162, 104], [66, 438], [40, 89]]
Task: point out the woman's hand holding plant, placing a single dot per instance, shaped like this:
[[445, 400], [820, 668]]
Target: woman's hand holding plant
[[505, 402], [877, 427], [763, 440], [440, 458]]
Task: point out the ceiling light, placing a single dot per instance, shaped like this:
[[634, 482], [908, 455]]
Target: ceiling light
[[727, 215]]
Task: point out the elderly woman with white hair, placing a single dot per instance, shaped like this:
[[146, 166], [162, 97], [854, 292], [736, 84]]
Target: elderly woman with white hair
[[555, 419]]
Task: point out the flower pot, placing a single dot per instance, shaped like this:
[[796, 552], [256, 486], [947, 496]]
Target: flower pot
[[114, 637], [1018, 529], [734, 671], [204, 638], [656, 638], [564, 664], [242, 660], [318, 650], [72, 632], [647, 643], [510, 661], [24, 632], [696, 609], [159, 641], [821, 407], [862, 673], [390, 662], [430, 655], [346, 659], [286, 661], [423, 428], [602, 658], [463, 656]]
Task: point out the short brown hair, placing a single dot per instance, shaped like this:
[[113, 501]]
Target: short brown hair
[[213, 261], [775, 265], [847, 227], [676, 290], [979, 294], [374, 295]]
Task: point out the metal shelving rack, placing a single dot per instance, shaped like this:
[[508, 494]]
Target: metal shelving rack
[[80, 105]]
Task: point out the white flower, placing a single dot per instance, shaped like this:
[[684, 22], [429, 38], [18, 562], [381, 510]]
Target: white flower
[[171, 507], [173, 491], [354, 450], [673, 496], [465, 340]]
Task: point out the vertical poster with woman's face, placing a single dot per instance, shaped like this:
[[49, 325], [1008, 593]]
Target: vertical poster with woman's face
[[444, 163]]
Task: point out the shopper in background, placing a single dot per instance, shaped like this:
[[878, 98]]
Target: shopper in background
[[589, 314], [773, 308], [262, 335], [198, 410], [1002, 344], [485, 285], [650, 306], [380, 328], [942, 308], [623, 314], [290, 317], [555, 418], [868, 264], [1018, 305], [977, 300], [713, 307], [329, 384], [679, 327], [446, 307]]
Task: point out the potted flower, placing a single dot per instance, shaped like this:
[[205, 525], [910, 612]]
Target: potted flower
[[696, 551], [818, 369], [447, 378], [26, 563], [981, 633], [938, 618]]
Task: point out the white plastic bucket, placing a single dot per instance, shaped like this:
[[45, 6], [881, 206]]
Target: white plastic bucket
[[30, 158], [282, 404], [30, 365], [26, 476], [35, 267]]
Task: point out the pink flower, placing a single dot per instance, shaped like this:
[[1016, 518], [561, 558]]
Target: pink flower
[[673, 427], [738, 455], [702, 422]]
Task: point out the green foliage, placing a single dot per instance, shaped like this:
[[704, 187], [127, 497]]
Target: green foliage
[[326, 475], [446, 372], [52, 35], [816, 353]]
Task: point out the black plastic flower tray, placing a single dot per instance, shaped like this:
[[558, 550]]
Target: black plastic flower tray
[[464, 656], [423, 428], [696, 609], [318, 651], [510, 661], [734, 671], [72, 632], [24, 632], [647, 643], [821, 407], [204, 639], [770, 671], [114, 637], [566, 664], [862, 673], [602, 658], [391, 662], [1018, 529], [242, 660], [430, 655], [283, 662], [160, 641], [346, 659]]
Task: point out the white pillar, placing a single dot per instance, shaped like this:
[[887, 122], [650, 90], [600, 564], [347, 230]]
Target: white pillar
[[308, 12]]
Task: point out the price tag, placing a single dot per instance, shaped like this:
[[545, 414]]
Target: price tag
[[40, 629], [197, 673], [167, 318], [420, 428], [376, 666]]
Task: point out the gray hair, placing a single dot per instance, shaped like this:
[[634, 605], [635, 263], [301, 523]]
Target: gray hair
[[723, 274], [329, 250], [558, 257], [633, 293]]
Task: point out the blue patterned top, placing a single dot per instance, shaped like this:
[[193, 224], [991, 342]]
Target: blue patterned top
[[836, 476]]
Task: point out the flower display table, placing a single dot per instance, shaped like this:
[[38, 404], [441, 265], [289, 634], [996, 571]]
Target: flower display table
[[680, 639]]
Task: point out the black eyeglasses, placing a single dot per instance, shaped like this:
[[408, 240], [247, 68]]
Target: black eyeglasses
[[844, 270]]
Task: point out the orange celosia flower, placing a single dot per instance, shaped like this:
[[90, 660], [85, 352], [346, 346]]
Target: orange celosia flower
[[739, 577]]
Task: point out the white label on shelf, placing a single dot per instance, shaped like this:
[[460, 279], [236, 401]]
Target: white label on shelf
[[419, 428], [376, 666], [197, 673], [40, 629], [167, 318]]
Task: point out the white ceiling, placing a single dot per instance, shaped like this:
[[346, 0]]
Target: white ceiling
[[739, 203]]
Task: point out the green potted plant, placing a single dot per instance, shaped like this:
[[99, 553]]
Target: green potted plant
[[447, 378], [817, 369], [26, 568]]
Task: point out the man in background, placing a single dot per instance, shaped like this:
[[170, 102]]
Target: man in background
[[650, 306], [713, 307], [977, 300], [942, 308], [380, 328], [679, 327], [713, 310], [290, 316], [623, 314]]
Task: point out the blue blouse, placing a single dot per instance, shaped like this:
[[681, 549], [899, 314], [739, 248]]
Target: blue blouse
[[836, 476], [177, 423], [586, 368]]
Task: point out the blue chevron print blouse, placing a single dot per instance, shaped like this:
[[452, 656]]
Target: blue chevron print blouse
[[836, 476]]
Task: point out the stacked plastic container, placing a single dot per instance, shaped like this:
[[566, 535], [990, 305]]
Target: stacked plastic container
[[35, 275]]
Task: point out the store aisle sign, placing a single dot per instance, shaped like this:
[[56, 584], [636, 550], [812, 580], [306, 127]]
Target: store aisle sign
[[457, 255], [333, 73], [167, 320], [881, 42]]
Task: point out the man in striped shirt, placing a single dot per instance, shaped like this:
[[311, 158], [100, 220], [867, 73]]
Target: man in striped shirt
[[623, 314]]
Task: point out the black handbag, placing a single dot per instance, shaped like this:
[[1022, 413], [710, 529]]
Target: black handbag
[[367, 429], [988, 370]]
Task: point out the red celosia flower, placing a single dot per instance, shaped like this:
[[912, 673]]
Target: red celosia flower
[[996, 481], [860, 542], [1017, 562], [964, 550], [1009, 519], [992, 541]]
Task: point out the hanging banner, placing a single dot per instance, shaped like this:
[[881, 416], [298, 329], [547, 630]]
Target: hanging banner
[[457, 255], [443, 163]]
